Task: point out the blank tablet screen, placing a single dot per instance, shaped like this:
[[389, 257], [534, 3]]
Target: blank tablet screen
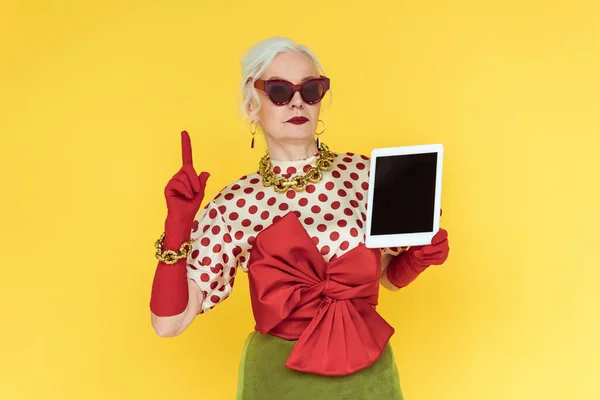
[[404, 194]]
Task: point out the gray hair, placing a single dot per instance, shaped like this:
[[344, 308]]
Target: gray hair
[[257, 60]]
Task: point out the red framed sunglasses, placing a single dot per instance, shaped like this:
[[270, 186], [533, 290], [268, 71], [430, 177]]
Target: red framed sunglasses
[[281, 92]]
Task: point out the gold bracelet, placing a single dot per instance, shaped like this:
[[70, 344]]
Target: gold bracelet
[[171, 256]]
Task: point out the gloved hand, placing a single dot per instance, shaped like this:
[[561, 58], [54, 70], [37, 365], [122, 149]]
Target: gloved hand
[[405, 267], [184, 194], [435, 253]]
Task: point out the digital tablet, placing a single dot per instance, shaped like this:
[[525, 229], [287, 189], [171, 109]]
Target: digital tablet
[[405, 188]]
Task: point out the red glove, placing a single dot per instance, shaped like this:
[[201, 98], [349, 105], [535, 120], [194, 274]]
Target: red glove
[[404, 268], [184, 194]]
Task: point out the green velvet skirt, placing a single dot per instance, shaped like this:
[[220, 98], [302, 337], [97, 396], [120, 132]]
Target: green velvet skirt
[[263, 375]]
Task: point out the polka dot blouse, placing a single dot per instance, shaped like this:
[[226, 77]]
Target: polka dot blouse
[[333, 212]]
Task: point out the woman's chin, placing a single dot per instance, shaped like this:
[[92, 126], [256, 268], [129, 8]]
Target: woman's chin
[[298, 131]]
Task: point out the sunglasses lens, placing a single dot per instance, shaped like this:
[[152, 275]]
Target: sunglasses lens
[[312, 92], [280, 93]]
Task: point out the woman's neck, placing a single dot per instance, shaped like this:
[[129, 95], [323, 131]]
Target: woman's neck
[[291, 151]]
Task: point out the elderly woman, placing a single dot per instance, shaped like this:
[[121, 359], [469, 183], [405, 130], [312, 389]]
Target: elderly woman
[[296, 226]]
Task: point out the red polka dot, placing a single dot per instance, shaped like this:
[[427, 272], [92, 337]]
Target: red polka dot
[[225, 258], [329, 185], [336, 174], [214, 284], [315, 240], [308, 221], [222, 209], [254, 181], [240, 203], [359, 223], [315, 209], [354, 232], [363, 216], [238, 235], [342, 223], [310, 188], [328, 217], [283, 206], [341, 193], [205, 261], [246, 222], [222, 288], [212, 213], [354, 176], [216, 248], [251, 240], [233, 216], [306, 168], [243, 177], [205, 241], [323, 197], [215, 299], [342, 167], [231, 282], [354, 203], [365, 185], [347, 159], [276, 218], [322, 227], [236, 251], [232, 271], [325, 250], [271, 201], [248, 190], [276, 169], [335, 205], [291, 171], [348, 212], [344, 245], [195, 253], [235, 187], [291, 194], [253, 209], [260, 195], [205, 277], [297, 213], [360, 166], [206, 227], [264, 214], [195, 226], [348, 184], [359, 196], [227, 238], [216, 197], [229, 196], [303, 201], [364, 157], [216, 229], [334, 236], [258, 228]]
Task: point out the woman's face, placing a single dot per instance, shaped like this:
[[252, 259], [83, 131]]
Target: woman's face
[[294, 67]]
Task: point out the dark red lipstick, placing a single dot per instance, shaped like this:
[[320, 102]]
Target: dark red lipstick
[[297, 120]]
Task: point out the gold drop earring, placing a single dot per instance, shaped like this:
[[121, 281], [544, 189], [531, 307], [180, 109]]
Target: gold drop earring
[[252, 132], [319, 134]]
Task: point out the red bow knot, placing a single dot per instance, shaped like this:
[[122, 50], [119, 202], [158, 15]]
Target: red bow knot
[[329, 307]]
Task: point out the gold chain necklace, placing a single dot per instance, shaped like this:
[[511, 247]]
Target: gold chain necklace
[[297, 182]]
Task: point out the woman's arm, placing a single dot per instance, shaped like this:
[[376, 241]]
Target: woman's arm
[[386, 258], [174, 325]]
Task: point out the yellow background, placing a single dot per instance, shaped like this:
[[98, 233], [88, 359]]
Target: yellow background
[[93, 96]]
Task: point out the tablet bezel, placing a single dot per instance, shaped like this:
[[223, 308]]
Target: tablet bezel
[[404, 239]]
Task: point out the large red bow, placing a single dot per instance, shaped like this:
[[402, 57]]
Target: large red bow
[[329, 307]]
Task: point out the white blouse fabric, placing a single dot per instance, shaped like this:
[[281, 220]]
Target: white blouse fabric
[[333, 212]]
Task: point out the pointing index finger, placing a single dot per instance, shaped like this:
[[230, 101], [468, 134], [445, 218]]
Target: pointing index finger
[[186, 149]]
